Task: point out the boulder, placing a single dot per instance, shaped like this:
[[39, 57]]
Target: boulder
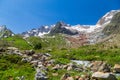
[[99, 66], [103, 76], [117, 68]]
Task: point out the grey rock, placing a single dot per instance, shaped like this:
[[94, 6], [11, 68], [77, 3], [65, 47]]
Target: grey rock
[[29, 52], [103, 76], [40, 76], [117, 68]]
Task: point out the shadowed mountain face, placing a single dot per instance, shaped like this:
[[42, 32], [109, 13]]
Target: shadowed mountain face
[[60, 28]]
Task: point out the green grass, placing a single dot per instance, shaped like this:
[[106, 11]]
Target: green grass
[[11, 66], [17, 41], [90, 53]]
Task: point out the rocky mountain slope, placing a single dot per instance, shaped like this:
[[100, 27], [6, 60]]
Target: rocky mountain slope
[[97, 35], [4, 32], [112, 32], [114, 26], [37, 32]]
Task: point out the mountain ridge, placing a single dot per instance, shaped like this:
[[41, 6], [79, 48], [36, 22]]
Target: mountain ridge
[[90, 34], [76, 29]]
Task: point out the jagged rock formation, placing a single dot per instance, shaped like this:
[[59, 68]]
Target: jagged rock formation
[[4, 32], [37, 32], [60, 27]]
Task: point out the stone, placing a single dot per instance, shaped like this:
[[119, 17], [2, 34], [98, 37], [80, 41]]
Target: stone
[[103, 76], [55, 74], [34, 63], [20, 78], [65, 66], [17, 52], [2, 49], [99, 66], [47, 54], [76, 77], [116, 68], [40, 76], [65, 76], [29, 52], [69, 68], [57, 67], [104, 67], [80, 79], [25, 60], [12, 48], [70, 78], [35, 56]]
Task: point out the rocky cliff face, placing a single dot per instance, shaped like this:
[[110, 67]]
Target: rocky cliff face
[[60, 27]]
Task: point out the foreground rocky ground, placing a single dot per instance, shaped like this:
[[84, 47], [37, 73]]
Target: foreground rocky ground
[[44, 64]]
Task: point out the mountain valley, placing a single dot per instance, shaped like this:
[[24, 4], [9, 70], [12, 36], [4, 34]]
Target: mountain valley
[[62, 51]]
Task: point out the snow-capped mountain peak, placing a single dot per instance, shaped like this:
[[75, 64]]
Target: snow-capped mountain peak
[[4, 32], [37, 32], [107, 18]]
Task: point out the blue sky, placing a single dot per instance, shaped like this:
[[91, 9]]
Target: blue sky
[[22, 15]]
